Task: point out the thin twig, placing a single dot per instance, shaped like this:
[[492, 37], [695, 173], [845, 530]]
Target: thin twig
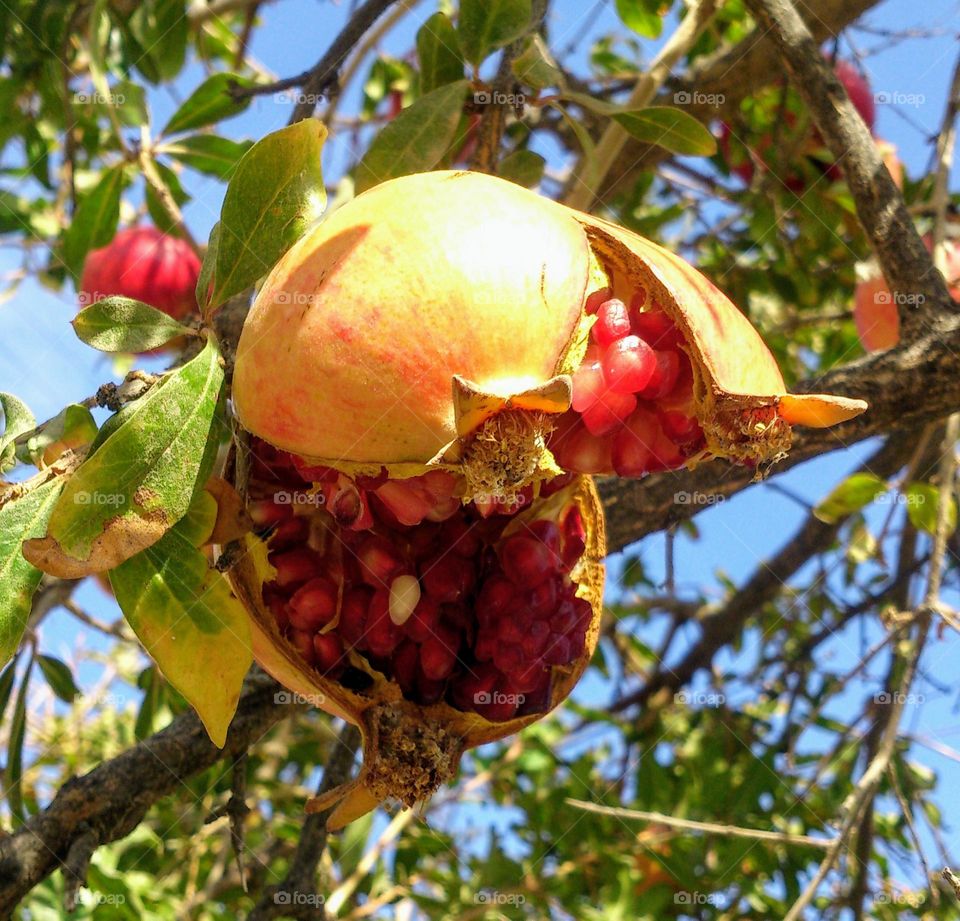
[[613, 139], [711, 828]]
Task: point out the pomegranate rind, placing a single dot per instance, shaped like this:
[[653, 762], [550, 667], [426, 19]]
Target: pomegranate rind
[[408, 749], [740, 394], [349, 353]]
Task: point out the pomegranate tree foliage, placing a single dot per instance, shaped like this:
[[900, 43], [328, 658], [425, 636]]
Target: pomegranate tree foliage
[[774, 743]]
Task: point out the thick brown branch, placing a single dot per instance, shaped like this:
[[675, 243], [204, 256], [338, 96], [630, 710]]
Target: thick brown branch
[[112, 799]]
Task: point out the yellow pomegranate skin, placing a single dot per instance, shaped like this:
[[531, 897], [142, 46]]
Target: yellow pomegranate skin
[[367, 320]]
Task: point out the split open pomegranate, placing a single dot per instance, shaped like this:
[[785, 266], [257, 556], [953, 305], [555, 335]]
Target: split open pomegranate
[[431, 375]]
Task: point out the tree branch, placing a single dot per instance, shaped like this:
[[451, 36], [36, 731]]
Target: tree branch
[[112, 799]]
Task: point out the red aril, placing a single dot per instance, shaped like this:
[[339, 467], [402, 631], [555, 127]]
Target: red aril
[[664, 377], [628, 365], [313, 605], [606, 415], [613, 323]]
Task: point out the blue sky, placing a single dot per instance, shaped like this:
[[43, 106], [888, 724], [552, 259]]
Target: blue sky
[[43, 363]]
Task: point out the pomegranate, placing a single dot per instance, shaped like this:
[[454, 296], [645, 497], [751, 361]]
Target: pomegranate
[[427, 376], [435, 636], [145, 264], [444, 321], [875, 309], [741, 160]]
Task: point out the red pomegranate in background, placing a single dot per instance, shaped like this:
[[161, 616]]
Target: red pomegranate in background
[[145, 264], [740, 159]]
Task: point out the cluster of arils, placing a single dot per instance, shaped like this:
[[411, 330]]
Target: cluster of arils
[[633, 408], [469, 603]]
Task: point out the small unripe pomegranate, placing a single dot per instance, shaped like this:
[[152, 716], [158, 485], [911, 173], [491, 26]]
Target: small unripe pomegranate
[[427, 376], [145, 264]]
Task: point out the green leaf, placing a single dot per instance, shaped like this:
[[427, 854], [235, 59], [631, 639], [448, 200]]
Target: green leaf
[[275, 194], [588, 176], [524, 167], [162, 29], [535, 66], [207, 153], [139, 481], [667, 127], [122, 324], [188, 620], [95, 221], [438, 50], [208, 103], [641, 16], [18, 727], [923, 508], [21, 519], [73, 427], [416, 139], [129, 100], [850, 496], [17, 419], [59, 677], [485, 25]]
